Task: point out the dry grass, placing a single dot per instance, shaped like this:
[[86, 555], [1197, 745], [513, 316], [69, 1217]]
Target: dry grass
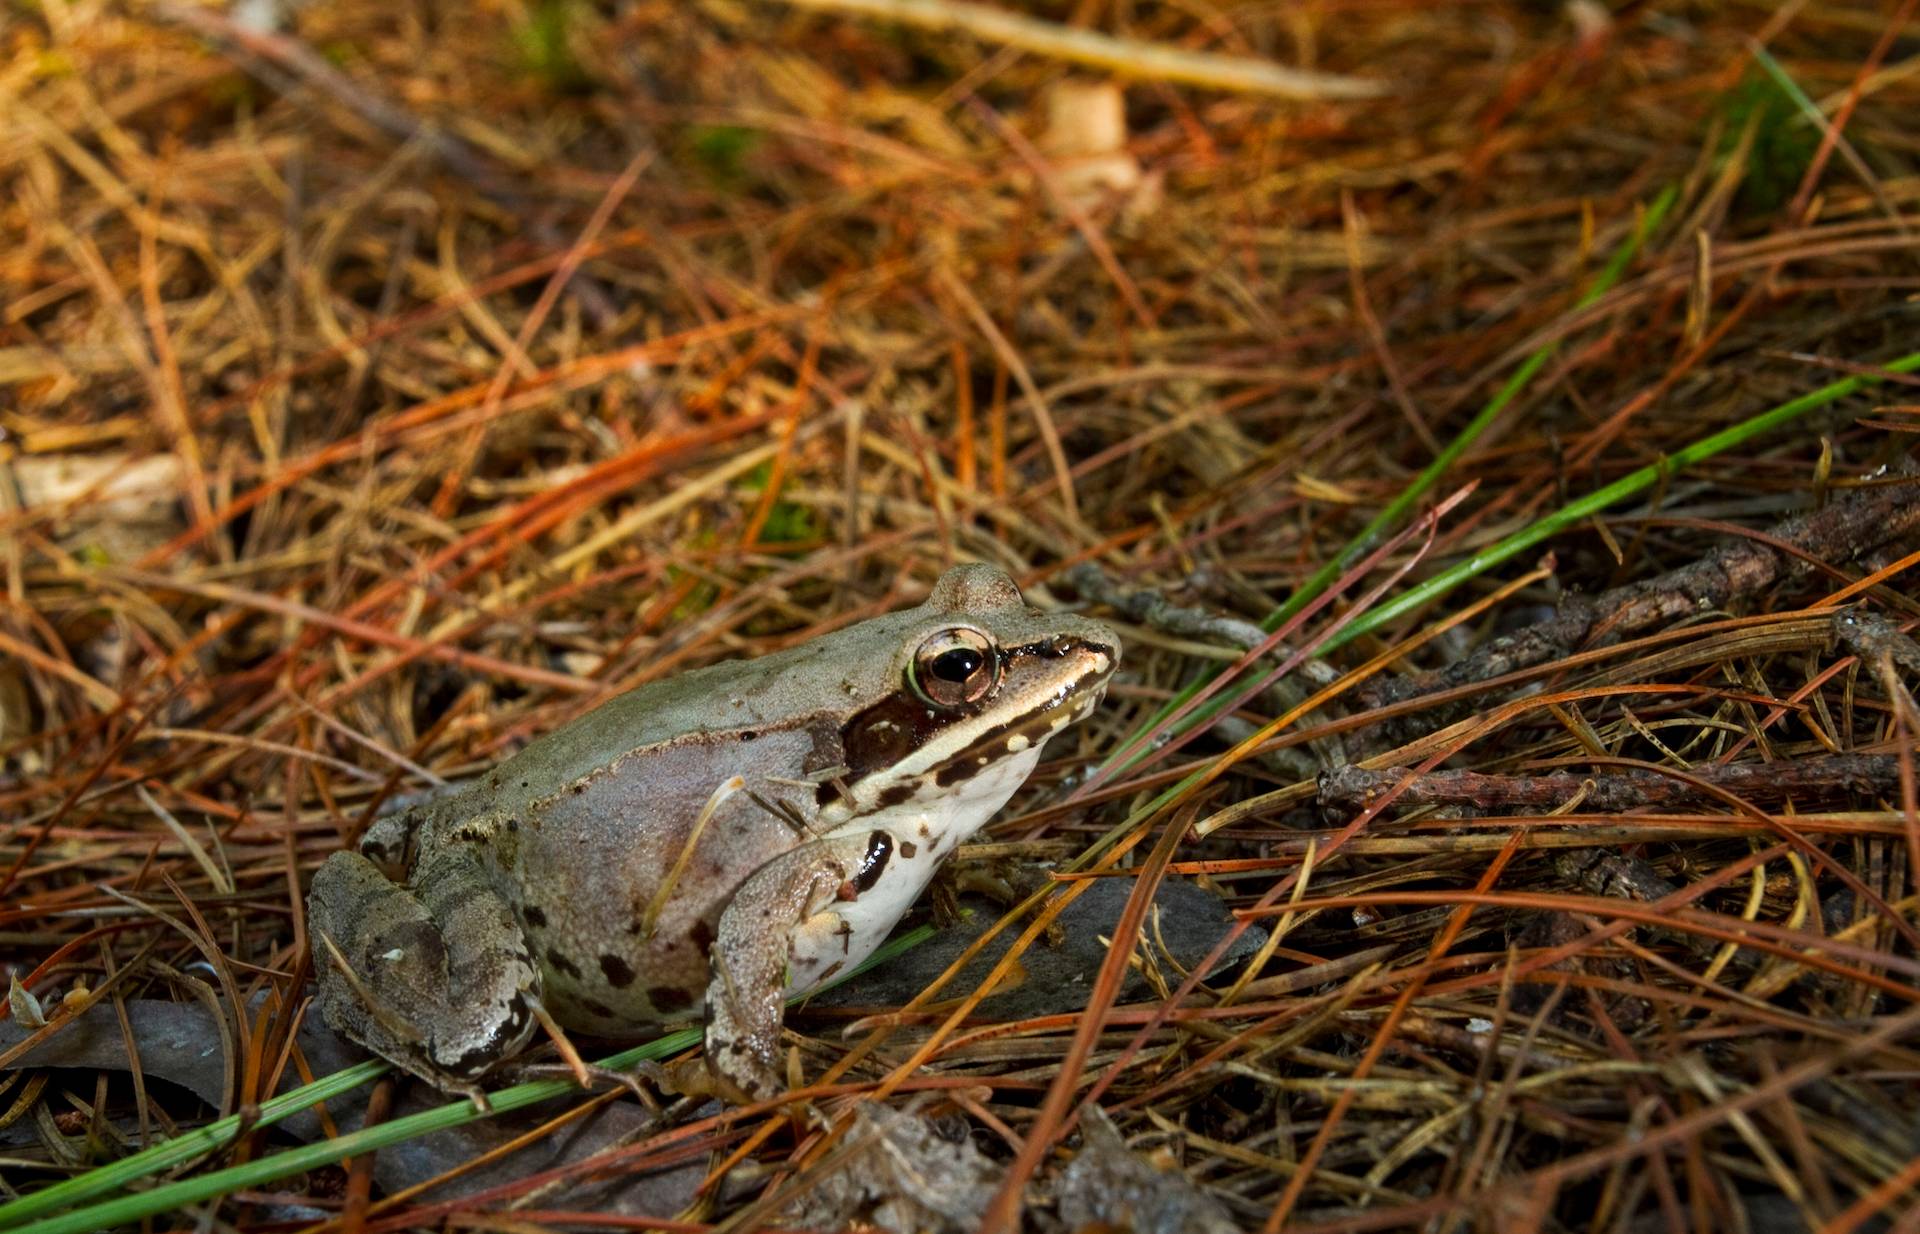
[[317, 475]]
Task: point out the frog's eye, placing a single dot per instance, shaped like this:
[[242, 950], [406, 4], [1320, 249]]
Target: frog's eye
[[954, 667]]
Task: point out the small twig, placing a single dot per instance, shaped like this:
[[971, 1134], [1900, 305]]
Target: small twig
[[1128, 57], [1841, 532], [1800, 779]]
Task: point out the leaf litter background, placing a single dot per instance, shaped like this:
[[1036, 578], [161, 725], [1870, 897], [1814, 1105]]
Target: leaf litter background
[[384, 391]]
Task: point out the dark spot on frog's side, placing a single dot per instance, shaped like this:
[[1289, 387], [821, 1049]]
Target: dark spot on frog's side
[[619, 974], [476, 1061], [668, 999], [909, 849], [894, 794], [600, 1009], [701, 936], [874, 863], [561, 964], [533, 917]]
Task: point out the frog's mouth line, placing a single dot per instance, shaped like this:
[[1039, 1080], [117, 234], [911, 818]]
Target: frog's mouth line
[[1062, 707]]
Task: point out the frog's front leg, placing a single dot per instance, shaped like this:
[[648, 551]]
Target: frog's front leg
[[435, 976], [780, 902]]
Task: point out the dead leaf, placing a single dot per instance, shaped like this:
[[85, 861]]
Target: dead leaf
[[1109, 1186]]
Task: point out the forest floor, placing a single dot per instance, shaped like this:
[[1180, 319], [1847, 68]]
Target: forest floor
[[1494, 445]]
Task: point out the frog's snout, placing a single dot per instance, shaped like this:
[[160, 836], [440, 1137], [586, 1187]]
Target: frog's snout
[[1096, 643], [1090, 656]]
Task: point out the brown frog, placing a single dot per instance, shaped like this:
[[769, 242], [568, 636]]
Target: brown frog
[[708, 844]]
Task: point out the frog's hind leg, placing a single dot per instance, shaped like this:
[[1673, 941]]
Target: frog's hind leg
[[439, 979]]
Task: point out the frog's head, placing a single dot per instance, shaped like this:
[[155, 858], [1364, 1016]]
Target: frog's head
[[976, 684]]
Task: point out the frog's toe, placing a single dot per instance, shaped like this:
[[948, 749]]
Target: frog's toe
[[739, 1074], [695, 1078]]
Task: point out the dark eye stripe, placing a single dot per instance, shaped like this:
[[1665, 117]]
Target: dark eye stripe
[[890, 730], [887, 732]]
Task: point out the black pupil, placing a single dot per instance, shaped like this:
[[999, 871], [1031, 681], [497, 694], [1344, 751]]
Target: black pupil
[[957, 665]]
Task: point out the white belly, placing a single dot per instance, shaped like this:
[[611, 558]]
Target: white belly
[[832, 941]]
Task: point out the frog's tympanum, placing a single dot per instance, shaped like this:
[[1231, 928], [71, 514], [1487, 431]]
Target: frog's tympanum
[[706, 844]]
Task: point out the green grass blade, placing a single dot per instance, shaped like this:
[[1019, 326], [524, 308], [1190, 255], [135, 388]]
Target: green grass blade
[[1626, 486], [1534, 533], [1464, 440], [1409, 497], [125, 1209], [182, 1149], [1809, 110], [1552, 524]]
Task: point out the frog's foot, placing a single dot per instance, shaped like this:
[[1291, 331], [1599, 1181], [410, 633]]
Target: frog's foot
[[438, 981], [1003, 880], [592, 1076], [752, 952], [695, 1078]]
